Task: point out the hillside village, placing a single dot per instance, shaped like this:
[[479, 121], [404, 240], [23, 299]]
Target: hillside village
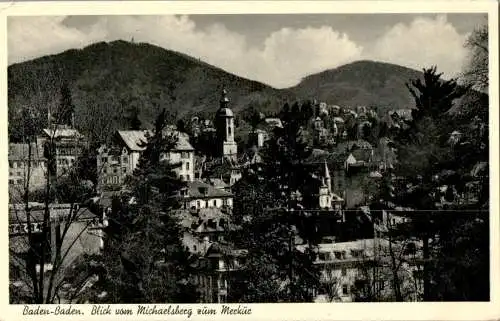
[[341, 155], [142, 175]]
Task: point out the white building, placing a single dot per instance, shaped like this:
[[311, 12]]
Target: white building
[[199, 195], [120, 158], [224, 123], [361, 268]]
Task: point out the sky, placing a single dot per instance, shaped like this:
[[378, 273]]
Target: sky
[[278, 50]]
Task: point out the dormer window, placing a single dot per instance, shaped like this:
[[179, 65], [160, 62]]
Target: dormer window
[[203, 190]]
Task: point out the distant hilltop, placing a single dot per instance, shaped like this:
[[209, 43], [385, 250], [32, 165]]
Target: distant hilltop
[[105, 79]]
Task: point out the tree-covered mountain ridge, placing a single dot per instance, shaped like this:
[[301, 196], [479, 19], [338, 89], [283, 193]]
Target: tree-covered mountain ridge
[[108, 79]]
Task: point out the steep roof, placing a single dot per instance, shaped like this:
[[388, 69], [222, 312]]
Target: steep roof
[[360, 143], [133, 139], [199, 189], [225, 112], [62, 133], [274, 122], [362, 155]]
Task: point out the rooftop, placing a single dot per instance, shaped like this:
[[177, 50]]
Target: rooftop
[[17, 214], [134, 139], [199, 189], [62, 133], [225, 112]]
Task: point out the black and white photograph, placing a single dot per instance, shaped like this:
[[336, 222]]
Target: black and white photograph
[[249, 158]]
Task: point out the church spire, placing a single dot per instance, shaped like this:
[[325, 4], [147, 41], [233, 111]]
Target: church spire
[[328, 178], [223, 99]]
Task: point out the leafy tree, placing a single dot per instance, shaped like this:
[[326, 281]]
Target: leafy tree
[[476, 73], [253, 117], [424, 150], [42, 249]]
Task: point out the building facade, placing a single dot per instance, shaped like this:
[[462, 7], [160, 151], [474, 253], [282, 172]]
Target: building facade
[[363, 270], [19, 158], [120, 158], [224, 123]]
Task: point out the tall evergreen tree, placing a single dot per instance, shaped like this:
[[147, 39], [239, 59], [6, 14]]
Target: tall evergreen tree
[[144, 255], [270, 194], [423, 150]]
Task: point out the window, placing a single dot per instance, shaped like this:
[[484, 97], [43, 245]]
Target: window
[[115, 170], [324, 256], [124, 169], [104, 159], [357, 253], [184, 155], [345, 289], [344, 271], [188, 177], [187, 166], [340, 255], [380, 285], [198, 204]]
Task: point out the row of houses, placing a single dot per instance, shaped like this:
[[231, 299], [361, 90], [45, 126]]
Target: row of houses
[[207, 201]]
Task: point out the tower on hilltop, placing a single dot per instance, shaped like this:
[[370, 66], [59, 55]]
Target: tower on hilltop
[[224, 121]]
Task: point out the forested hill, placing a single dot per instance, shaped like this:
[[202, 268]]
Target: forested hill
[[363, 82], [107, 79]]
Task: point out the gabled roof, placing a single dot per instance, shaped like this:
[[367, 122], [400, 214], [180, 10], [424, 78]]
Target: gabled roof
[[133, 139], [362, 155], [217, 248], [275, 122], [62, 133], [360, 143], [218, 183], [199, 189]]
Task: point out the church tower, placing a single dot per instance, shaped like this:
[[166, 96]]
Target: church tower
[[224, 120], [325, 190], [325, 200], [328, 179]]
